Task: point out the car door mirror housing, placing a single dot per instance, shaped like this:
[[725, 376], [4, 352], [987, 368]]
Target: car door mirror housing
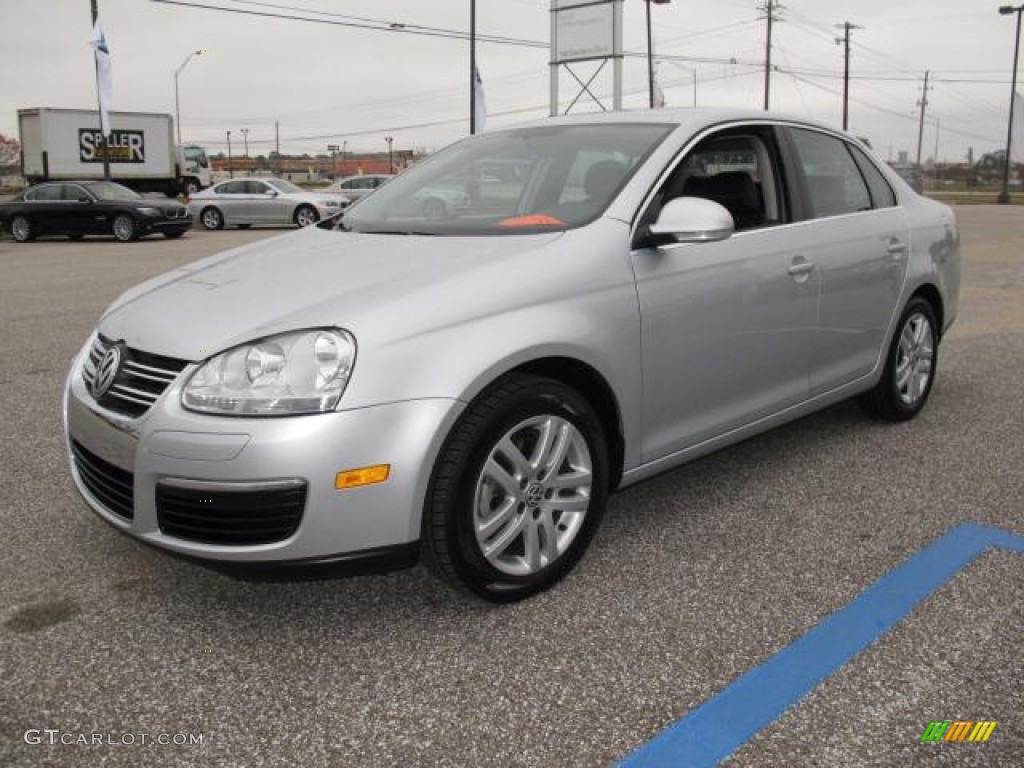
[[84, 199], [270, 193], [692, 220]]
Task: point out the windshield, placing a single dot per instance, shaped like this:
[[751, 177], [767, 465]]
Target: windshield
[[526, 180], [283, 186], [108, 190]]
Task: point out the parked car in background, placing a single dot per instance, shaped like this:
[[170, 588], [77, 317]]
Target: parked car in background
[[79, 208], [357, 187], [622, 293], [244, 202]]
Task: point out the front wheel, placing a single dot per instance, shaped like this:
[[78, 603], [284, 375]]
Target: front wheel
[[21, 229], [124, 228], [212, 218], [909, 367], [306, 216], [518, 489], [190, 187]]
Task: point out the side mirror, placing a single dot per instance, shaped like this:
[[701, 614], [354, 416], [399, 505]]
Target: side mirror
[[692, 220], [85, 199], [270, 193]]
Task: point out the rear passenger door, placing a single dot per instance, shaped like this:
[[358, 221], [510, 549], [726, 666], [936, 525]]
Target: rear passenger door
[[856, 235]]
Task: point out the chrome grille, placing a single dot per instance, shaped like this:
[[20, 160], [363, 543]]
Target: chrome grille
[[141, 380]]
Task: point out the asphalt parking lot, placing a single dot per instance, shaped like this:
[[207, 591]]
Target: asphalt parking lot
[[695, 578]]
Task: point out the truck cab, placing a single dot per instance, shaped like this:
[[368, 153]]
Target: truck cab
[[195, 168]]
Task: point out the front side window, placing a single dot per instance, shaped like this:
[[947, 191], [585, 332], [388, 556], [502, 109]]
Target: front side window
[[256, 188], [834, 182], [108, 190], [738, 169], [536, 179]]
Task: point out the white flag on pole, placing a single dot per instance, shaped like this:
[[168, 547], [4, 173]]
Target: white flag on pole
[[1017, 139], [480, 104], [104, 83]]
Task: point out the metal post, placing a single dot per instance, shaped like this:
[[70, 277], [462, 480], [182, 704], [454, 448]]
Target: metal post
[[1004, 196], [617, 53], [846, 78], [920, 130], [472, 71], [177, 107], [231, 165], [103, 139], [768, 56], [650, 58], [552, 66], [245, 138], [391, 157]]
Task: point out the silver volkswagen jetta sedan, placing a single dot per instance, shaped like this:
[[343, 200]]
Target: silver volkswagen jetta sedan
[[631, 292]]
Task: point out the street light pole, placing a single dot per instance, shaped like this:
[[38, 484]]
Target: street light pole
[[391, 160], [1004, 196], [245, 138], [650, 51], [177, 101], [231, 165]]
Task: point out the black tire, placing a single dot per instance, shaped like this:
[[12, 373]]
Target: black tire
[[190, 187], [303, 214], [448, 541], [171, 191], [124, 228], [211, 218], [22, 230], [889, 400], [174, 235]]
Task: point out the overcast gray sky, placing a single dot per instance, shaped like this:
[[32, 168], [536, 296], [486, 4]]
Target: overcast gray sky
[[333, 83]]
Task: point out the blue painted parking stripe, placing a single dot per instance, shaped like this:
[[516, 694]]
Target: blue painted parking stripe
[[726, 721]]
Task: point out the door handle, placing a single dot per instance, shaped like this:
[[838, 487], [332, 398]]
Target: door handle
[[896, 248], [800, 268]]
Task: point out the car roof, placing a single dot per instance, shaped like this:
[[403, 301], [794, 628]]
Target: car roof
[[694, 119]]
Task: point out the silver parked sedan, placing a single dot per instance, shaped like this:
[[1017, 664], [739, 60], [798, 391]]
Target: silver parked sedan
[[468, 387], [357, 187], [244, 202]]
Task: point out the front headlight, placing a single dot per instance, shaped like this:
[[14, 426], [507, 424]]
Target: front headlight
[[291, 373], [149, 211]]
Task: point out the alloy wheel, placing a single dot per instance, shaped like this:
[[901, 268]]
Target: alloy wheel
[[532, 495], [914, 360]]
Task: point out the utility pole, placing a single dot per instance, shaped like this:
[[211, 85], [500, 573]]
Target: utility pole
[[277, 144], [1004, 195], [770, 8], [650, 50], [103, 140], [245, 137], [923, 104], [391, 156], [845, 41]]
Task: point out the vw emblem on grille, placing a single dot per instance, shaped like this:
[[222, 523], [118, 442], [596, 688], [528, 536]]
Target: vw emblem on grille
[[106, 372]]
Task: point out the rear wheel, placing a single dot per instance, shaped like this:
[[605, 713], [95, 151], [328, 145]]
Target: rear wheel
[[21, 229], [306, 216], [212, 218], [124, 228], [518, 490], [909, 367]]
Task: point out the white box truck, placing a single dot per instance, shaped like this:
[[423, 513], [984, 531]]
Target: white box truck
[[60, 144]]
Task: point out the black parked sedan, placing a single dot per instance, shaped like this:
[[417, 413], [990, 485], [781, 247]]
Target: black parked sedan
[[78, 208]]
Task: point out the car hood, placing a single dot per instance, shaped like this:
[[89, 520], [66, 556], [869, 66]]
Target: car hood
[[368, 284]]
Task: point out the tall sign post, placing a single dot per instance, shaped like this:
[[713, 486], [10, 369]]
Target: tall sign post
[[586, 31]]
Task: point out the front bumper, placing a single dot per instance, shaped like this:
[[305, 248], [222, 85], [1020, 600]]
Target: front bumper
[[168, 444]]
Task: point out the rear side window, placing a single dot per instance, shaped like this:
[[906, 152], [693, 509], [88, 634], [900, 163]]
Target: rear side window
[[882, 195], [834, 182]]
